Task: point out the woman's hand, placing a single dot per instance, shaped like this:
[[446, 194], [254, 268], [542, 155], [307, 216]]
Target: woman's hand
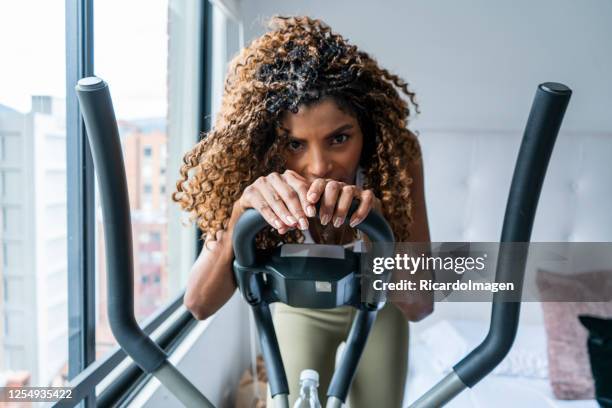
[[213, 244], [336, 198], [281, 200], [287, 200]]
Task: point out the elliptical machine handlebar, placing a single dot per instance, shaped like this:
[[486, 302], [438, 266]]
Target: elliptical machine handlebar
[[252, 222], [547, 111], [249, 277], [103, 134]]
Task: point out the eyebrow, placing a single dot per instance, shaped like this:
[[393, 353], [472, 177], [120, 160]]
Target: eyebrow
[[330, 134]]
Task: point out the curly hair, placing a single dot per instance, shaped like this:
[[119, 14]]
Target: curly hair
[[297, 63]]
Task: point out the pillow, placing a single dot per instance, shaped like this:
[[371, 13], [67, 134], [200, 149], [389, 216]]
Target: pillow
[[568, 362], [600, 355]]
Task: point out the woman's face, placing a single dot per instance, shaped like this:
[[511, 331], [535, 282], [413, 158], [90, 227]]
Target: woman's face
[[324, 142]]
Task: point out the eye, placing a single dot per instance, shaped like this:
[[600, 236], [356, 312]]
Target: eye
[[339, 139], [294, 145]]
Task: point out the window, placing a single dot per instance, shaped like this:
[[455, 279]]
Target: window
[[137, 81], [146, 171], [227, 41], [153, 67], [33, 238], [153, 79]]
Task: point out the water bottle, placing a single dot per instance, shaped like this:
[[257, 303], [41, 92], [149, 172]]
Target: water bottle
[[309, 382]]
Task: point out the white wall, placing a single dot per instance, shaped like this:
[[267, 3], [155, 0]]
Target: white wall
[[475, 64]]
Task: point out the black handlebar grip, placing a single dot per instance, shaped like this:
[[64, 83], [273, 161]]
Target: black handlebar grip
[[97, 110], [251, 222], [355, 345], [547, 111]]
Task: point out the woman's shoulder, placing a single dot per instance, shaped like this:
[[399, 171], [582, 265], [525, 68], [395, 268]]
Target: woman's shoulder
[[413, 147]]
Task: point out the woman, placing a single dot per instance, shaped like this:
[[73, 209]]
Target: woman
[[306, 117]]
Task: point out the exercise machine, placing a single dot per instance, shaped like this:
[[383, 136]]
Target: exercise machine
[[317, 276]]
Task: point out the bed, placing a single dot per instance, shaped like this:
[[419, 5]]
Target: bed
[[467, 179], [519, 381]]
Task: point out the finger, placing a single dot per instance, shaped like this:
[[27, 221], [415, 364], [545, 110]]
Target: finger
[[347, 193], [259, 203], [276, 202], [211, 244], [301, 188], [315, 190], [290, 198], [366, 200], [328, 201], [285, 229]]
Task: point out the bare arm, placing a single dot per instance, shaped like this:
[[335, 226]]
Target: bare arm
[[421, 305], [211, 282]]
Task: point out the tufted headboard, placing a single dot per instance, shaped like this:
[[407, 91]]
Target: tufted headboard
[[467, 180]]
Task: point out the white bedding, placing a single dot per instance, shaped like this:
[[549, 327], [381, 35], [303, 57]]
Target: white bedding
[[496, 390]]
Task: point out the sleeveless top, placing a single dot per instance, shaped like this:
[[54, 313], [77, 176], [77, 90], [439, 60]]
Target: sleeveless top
[[355, 246]]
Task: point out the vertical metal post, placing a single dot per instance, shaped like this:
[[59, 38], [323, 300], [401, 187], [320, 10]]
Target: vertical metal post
[[205, 84], [81, 196]]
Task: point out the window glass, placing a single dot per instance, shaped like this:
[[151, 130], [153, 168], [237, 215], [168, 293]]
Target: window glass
[[33, 199], [131, 55], [227, 41], [153, 68]]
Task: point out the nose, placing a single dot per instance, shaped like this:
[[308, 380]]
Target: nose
[[319, 165]]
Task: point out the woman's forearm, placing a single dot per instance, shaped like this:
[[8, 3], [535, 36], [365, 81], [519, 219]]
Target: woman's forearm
[[212, 283]]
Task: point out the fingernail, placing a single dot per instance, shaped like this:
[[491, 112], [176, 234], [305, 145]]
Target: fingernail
[[325, 219], [291, 220], [277, 224], [338, 222], [310, 211], [355, 222], [312, 196], [303, 224]]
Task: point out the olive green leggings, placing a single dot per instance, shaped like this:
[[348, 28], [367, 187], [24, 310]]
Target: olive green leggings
[[309, 338]]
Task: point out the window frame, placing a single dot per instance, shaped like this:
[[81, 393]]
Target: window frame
[[85, 372], [86, 381], [81, 196]]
